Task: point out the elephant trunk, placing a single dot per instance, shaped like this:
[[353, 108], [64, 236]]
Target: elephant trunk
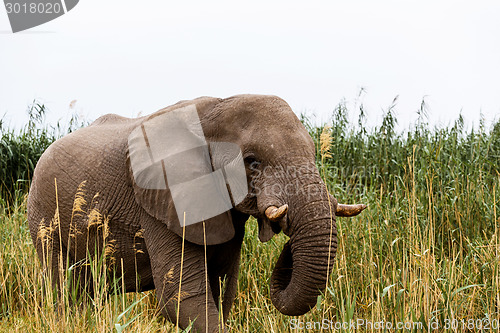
[[301, 270]]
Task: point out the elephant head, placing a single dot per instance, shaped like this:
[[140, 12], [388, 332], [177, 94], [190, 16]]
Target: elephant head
[[285, 191]]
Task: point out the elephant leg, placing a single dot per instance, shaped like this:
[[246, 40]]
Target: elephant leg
[[69, 277], [223, 270], [164, 249], [53, 257]]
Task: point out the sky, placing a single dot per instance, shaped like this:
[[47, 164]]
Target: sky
[[130, 57]]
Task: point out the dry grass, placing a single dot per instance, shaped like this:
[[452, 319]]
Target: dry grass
[[386, 269], [426, 250]]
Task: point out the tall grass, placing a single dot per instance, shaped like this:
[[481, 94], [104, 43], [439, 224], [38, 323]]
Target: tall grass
[[426, 250], [20, 150]]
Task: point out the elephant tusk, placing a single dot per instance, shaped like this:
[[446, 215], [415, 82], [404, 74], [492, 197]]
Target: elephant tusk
[[274, 213], [349, 210]]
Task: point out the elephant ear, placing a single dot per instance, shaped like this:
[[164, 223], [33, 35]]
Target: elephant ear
[[174, 175]]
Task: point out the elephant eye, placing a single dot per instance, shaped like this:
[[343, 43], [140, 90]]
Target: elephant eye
[[250, 160]]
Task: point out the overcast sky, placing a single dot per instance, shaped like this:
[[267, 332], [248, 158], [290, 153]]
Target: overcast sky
[[126, 57]]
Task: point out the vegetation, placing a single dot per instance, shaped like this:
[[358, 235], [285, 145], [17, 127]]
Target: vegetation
[[426, 251], [19, 151]]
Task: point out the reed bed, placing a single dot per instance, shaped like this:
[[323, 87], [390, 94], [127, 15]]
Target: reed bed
[[426, 252]]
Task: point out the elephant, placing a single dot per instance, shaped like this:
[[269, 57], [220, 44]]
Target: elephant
[[136, 198]]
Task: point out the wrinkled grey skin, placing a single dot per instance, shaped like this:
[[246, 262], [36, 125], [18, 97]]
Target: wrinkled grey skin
[[145, 232]]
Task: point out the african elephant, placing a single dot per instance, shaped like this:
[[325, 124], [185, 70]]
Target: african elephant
[[109, 161]]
